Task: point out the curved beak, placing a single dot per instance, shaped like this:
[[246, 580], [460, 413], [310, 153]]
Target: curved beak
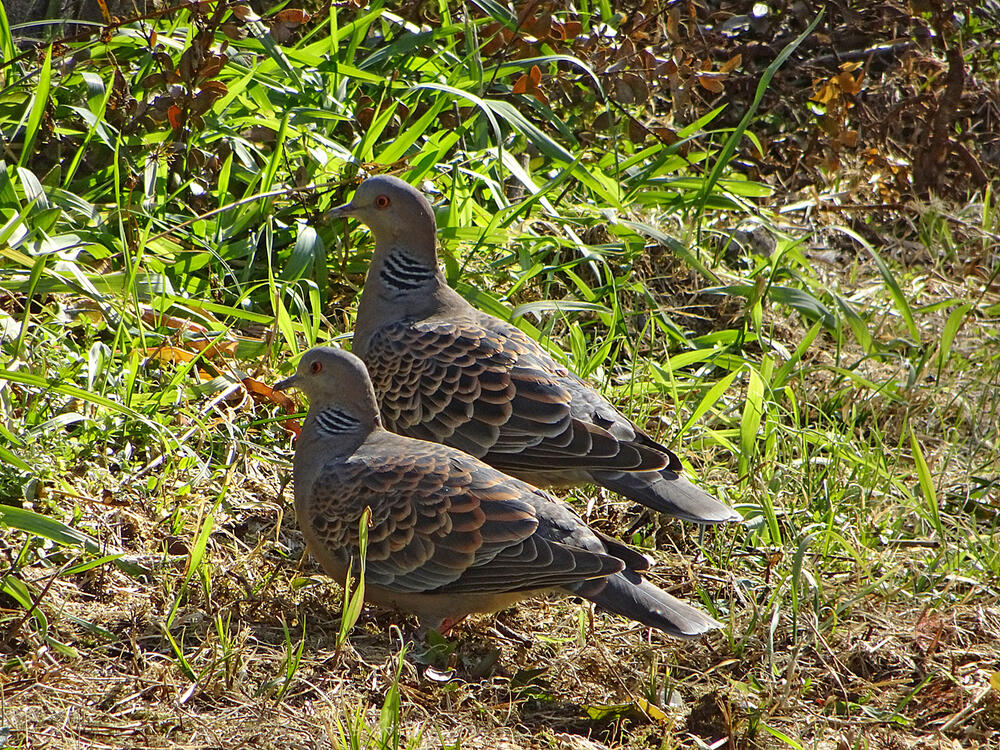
[[284, 385], [338, 212]]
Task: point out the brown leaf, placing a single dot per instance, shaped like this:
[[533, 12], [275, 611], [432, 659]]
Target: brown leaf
[[263, 392], [175, 116], [200, 103], [233, 31], [623, 93], [731, 64], [666, 135], [213, 349], [849, 83], [627, 50], [293, 15], [169, 354], [826, 93], [108, 498], [637, 132], [712, 83], [103, 5], [571, 29], [260, 134], [212, 66], [640, 89], [245, 13], [186, 67], [539, 27], [673, 23], [215, 89], [603, 122]]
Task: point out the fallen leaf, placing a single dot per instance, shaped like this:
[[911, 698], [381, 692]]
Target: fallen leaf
[[171, 354]]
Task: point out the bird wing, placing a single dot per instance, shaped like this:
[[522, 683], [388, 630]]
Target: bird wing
[[441, 522], [493, 392]]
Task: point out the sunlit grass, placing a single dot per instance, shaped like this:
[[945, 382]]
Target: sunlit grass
[[155, 278]]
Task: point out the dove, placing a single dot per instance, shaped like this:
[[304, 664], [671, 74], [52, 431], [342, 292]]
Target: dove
[[448, 534], [444, 371]]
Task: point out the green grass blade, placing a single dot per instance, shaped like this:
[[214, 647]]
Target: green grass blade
[[926, 482], [712, 397], [354, 600], [753, 412], [956, 318], [58, 532], [39, 102]]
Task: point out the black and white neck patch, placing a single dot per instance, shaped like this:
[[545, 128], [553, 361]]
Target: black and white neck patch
[[404, 274], [336, 422]]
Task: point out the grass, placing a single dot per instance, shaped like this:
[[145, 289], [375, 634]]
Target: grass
[[163, 255]]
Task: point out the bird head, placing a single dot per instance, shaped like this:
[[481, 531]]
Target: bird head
[[397, 213], [335, 381]]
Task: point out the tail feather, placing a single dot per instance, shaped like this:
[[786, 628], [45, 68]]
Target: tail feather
[[629, 595], [668, 492]]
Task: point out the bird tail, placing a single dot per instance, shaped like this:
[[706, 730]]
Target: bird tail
[[668, 492], [631, 596]]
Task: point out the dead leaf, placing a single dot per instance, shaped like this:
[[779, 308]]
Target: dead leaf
[[245, 13], [264, 392], [293, 15], [711, 82], [162, 320], [175, 116], [170, 354], [731, 64], [212, 349]]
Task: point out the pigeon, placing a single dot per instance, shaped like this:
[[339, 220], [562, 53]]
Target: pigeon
[[448, 535], [444, 371]]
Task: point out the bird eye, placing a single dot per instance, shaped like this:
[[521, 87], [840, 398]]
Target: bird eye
[[382, 201], [315, 367]]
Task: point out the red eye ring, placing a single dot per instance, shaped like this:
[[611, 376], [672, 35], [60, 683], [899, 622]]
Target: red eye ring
[[315, 366], [382, 201]]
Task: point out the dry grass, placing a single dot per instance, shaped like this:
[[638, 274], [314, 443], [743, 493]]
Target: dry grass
[[860, 599], [891, 646]]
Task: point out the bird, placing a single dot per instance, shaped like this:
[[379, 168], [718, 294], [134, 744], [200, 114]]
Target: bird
[[447, 372], [448, 534]]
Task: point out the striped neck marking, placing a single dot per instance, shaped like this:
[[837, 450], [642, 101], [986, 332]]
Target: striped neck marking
[[401, 272], [336, 422]]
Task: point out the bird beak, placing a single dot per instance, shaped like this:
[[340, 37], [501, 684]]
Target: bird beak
[[339, 212], [284, 385]]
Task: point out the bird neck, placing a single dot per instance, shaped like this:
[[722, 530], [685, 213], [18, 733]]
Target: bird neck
[[401, 284], [402, 272], [333, 431]]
